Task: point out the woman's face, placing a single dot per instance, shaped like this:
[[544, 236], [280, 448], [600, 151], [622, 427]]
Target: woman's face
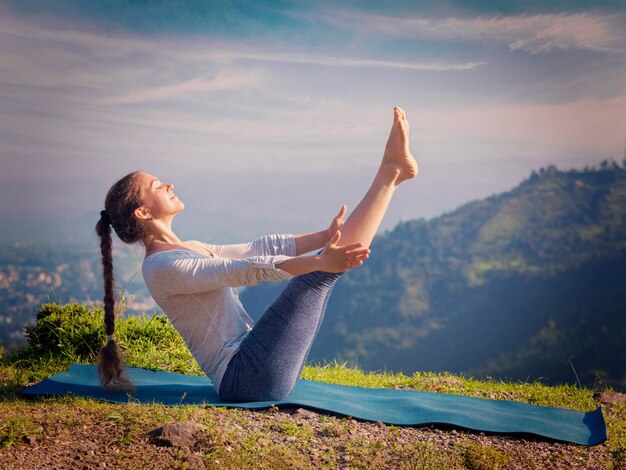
[[159, 199]]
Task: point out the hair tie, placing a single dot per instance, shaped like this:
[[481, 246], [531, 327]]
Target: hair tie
[[104, 216], [110, 337]]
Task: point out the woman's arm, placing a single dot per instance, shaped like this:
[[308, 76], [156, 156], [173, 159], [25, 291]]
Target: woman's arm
[[180, 272], [315, 240], [269, 245], [310, 241], [334, 258]]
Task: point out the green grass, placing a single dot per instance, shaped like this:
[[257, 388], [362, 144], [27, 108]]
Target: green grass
[[12, 430], [72, 333], [567, 396]]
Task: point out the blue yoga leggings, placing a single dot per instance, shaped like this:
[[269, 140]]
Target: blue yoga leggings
[[271, 357]]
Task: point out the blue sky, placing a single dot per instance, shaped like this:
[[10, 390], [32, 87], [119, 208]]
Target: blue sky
[[268, 115]]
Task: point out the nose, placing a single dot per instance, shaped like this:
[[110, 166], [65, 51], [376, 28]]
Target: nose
[[170, 187]]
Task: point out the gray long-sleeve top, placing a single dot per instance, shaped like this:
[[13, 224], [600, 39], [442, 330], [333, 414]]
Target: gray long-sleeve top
[[199, 294]]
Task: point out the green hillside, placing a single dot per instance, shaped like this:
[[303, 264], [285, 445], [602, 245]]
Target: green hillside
[[526, 284]]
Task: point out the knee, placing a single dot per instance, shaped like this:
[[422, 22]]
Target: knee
[[320, 278]]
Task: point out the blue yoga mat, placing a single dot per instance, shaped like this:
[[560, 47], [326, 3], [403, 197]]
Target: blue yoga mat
[[399, 407]]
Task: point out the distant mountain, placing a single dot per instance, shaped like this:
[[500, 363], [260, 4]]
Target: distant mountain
[[526, 284]]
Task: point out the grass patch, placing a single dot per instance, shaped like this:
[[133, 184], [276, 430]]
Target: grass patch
[[567, 396], [479, 457], [12, 431], [64, 334]]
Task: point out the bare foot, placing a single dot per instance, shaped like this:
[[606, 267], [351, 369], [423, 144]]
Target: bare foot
[[397, 157]]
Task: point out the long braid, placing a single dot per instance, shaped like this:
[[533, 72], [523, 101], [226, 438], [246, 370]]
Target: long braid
[[121, 200], [106, 250]]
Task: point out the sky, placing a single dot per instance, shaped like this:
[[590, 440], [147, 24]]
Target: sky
[[268, 115]]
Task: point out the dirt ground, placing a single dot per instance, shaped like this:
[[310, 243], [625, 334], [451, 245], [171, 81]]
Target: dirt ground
[[285, 438]]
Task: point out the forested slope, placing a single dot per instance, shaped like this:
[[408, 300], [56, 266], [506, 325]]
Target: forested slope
[[525, 284]]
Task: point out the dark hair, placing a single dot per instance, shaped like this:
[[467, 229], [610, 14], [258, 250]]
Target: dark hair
[[120, 203]]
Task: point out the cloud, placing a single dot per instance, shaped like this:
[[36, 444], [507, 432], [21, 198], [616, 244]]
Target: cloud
[[530, 33], [223, 81], [80, 65], [349, 62]]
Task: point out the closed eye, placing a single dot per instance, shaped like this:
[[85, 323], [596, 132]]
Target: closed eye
[[156, 182]]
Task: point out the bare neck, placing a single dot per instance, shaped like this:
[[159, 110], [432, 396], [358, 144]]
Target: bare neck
[[161, 237]]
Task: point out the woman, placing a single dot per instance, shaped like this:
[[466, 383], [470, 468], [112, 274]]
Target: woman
[[195, 283]]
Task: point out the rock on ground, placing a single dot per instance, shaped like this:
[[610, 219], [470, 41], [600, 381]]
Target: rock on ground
[[184, 434]]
